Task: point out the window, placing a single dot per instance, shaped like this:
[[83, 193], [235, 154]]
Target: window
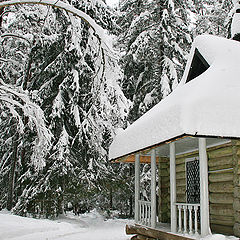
[[192, 180]]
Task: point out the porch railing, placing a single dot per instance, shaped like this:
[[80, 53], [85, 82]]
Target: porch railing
[[188, 218], [144, 212]]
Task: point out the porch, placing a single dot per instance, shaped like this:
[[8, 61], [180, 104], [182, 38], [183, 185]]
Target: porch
[[188, 219]]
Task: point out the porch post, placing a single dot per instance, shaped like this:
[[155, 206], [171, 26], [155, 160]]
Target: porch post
[[153, 188], [173, 188], [137, 186], [204, 202]]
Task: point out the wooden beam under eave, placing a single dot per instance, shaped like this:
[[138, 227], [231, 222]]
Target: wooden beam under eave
[[131, 159]]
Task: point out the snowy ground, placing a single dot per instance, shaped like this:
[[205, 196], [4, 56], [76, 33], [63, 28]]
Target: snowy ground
[[89, 226]]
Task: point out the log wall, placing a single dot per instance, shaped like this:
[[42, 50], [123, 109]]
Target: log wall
[[236, 186], [220, 166], [224, 187]]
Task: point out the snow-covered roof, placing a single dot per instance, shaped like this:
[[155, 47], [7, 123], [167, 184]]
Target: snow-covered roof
[[208, 105]]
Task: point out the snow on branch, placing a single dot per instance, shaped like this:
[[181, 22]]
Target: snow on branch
[[9, 61], [16, 36], [99, 31], [14, 99]]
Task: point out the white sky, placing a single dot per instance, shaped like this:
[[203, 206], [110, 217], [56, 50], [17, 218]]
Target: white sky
[[112, 2]]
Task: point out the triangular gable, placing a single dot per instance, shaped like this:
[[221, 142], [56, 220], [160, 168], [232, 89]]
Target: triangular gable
[[198, 66]]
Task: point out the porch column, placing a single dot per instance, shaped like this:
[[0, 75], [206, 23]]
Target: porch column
[[204, 202], [173, 187], [137, 186], [153, 188]]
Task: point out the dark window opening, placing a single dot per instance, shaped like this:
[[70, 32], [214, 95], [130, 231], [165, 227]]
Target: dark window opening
[[238, 11], [199, 66]]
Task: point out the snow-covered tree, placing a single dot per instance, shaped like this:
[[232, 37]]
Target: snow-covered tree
[[154, 43], [69, 69], [212, 17]]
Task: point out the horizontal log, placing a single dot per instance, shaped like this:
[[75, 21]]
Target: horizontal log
[[220, 161], [225, 187], [164, 172], [180, 160], [181, 198], [210, 149], [226, 166], [221, 209], [153, 233], [181, 175], [225, 176], [181, 190], [222, 198], [180, 168], [222, 220], [181, 183], [221, 152], [165, 184], [228, 230], [164, 165]]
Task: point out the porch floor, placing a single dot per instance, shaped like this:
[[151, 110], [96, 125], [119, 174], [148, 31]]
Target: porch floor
[[161, 232]]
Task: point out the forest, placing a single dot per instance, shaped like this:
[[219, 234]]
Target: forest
[[72, 74]]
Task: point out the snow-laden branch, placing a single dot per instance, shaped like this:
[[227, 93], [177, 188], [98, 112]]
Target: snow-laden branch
[[16, 36], [9, 61], [13, 99], [99, 31]]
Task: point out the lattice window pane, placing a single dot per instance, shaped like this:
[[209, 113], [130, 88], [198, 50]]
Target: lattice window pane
[[193, 181]]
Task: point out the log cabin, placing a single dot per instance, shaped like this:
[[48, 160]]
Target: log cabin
[[191, 139]]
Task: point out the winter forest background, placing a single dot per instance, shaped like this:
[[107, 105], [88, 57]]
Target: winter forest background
[[70, 77]]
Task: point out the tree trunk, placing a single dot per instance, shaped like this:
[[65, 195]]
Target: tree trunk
[[111, 198], [11, 178]]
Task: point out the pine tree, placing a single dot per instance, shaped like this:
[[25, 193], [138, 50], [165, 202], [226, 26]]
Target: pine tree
[[69, 72], [155, 45], [212, 17]]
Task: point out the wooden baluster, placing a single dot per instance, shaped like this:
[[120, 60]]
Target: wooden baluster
[[190, 219], [195, 219], [140, 212], [145, 213], [149, 216], [185, 219], [179, 218]]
